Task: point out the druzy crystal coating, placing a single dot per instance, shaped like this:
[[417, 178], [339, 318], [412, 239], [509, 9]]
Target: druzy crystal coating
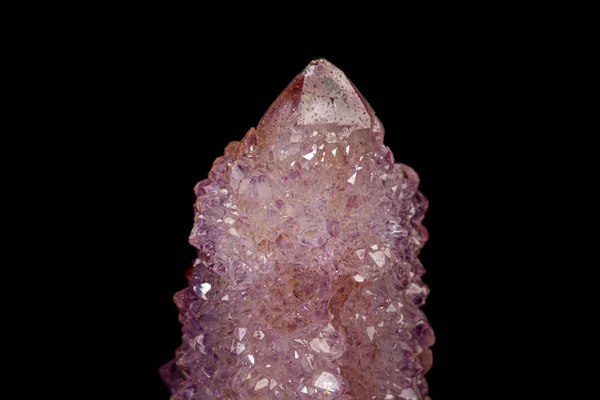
[[307, 283]]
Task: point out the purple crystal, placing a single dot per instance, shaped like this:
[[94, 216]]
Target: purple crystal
[[307, 283]]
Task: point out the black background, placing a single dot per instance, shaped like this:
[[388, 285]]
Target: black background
[[164, 109]]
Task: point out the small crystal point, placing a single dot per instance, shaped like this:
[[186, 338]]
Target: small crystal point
[[307, 282]]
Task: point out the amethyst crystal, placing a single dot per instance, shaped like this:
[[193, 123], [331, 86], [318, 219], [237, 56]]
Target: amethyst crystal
[[307, 283]]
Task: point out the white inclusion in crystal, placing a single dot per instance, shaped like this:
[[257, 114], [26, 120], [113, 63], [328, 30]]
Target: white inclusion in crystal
[[391, 308], [292, 164], [334, 151], [202, 289], [348, 149], [378, 257], [242, 332], [380, 324], [197, 261], [352, 179], [414, 288], [315, 344], [296, 137], [225, 298], [229, 220], [321, 147], [409, 394], [240, 348], [371, 332], [315, 133], [357, 316], [310, 155], [344, 133], [364, 317], [233, 232], [327, 382], [374, 247], [331, 137], [268, 366], [309, 358], [358, 278], [264, 382], [388, 397], [361, 254], [387, 252], [295, 354], [304, 390], [273, 384], [259, 335], [394, 188], [320, 345], [251, 358], [199, 341]]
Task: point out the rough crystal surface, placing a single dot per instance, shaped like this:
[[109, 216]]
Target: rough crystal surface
[[307, 283]]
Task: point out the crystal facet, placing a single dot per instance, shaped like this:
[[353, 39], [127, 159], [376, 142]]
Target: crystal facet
[[307, 282]]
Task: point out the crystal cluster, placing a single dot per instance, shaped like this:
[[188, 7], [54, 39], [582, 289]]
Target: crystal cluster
[[307, 283]]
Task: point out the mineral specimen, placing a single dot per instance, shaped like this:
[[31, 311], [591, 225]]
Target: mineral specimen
[[307, 283]]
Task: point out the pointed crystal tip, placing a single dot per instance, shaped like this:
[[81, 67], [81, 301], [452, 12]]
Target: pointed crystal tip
[[325, 67], [318, 60], [320, 96]]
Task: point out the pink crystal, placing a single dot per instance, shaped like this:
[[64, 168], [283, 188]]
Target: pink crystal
[[307, 283]]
